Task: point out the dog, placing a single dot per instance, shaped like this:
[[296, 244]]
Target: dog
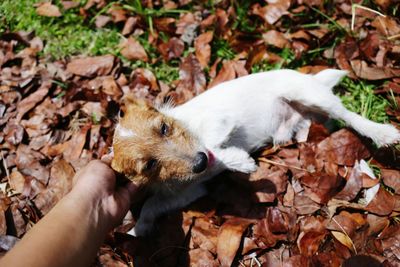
[[174, 149]]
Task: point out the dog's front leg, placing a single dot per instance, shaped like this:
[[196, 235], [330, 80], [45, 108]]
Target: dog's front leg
[[236, 159], [161, 203]]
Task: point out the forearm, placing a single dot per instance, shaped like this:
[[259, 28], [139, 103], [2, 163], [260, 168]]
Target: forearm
[[69, 235]]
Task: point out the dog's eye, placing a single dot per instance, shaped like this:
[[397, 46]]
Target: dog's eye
[[164, 129], [151, 164], [121, 113]]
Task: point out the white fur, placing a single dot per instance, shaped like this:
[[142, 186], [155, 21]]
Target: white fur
[[237, 117], [124, 132]]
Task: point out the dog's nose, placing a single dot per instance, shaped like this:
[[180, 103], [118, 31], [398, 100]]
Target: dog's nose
[[200, 162]]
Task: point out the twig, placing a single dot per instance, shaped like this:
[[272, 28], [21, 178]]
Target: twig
[[344, 231], [254, 259], [394, 37], [282, 164], [5, 165], [353, 13]]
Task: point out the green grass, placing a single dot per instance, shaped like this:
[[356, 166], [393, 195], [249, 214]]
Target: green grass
[[64, 36], [359, 97]]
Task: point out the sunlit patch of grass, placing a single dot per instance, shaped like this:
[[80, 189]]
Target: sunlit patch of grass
[[221, 49], [359, 97], [64, 36]]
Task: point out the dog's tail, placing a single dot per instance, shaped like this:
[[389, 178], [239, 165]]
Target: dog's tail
[[330, 77], [322, 98]]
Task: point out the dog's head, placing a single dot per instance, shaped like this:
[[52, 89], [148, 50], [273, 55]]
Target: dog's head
[[150, 146]]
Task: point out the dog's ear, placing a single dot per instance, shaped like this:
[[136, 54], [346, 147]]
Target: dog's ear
[[131, 102], [330, 77]]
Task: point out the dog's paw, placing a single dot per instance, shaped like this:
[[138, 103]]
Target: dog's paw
[[246, 166], [140, 229], [387, 135]]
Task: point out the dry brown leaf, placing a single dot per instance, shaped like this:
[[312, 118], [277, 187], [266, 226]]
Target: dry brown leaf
[[133, 50], [202, 258], [204, 235], [191, 75], [172, 49], [129, 25], [32, 100], [17, 182], [3, 225], [60, 184], [304, 205], [69, 4], [386, 26], [118, 13], [273, 11], [229, 239], [91, 66], [47, 9], [102, 20], [342, 147], [353, 185], [391, 178], [362, 70], [275, 38], [343, 239], [309, 242], [320, 187], [382, 204], [75, 146], [203, 48], [267, 183]]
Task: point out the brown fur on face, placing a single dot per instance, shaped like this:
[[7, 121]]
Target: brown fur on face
[[149, 146]]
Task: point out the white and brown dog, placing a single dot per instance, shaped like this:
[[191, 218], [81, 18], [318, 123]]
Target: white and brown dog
[[174, 149]]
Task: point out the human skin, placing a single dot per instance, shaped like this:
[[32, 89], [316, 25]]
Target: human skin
[[72, 232]]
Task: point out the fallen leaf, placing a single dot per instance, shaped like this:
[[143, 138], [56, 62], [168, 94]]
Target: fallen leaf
[[391, 178], [275, 38], [91, 66], [320, 187], [17, 182], [229, 239], [342, 147], [309, 242], [75, 146], [191, 77], [386, 26], [353, 185], [203, 48], [48, 10], [133, 50], [304, 205], [382, 204], [343, 239], [202, 258], [32, 100], [172, 49], [363, 70], [273, 11], [204, 235]]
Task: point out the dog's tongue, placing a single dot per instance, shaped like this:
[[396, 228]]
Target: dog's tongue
[[211, 158]]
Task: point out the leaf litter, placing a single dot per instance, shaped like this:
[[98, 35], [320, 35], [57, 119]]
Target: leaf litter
[[317, 203]]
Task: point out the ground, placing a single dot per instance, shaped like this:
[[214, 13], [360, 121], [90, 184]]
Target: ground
[[65, 66]]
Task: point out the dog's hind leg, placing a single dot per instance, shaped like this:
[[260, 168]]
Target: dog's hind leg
[[325, 101]]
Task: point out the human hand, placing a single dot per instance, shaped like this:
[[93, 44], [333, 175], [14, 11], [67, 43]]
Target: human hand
[[96, 184]]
